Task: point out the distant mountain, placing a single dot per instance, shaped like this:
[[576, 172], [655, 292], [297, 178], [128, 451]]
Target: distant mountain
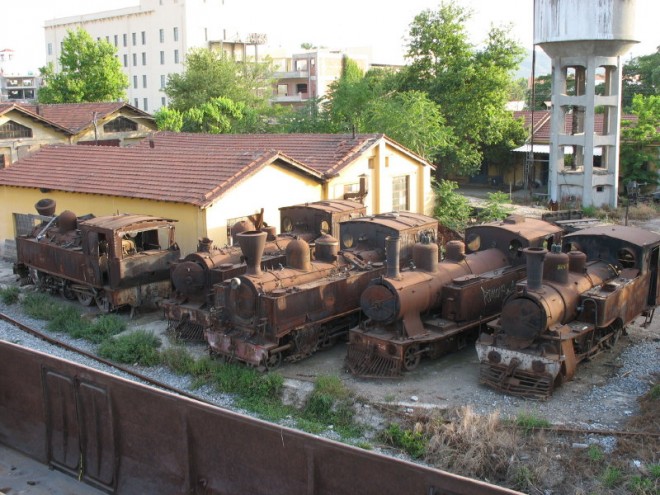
[[543, 65]]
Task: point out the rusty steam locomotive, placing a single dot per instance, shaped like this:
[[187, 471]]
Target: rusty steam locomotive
[[572, 305], [115, 261], [263, 317], [188, 309], [434, 307]]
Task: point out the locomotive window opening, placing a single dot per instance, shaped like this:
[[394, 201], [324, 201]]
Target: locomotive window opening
[[347, 240], [324, 227], [515, 249], [626, 258], [287, 224], [571, 246], [473, 242]]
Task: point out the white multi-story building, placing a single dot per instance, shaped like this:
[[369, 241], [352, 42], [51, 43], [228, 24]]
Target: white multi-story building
[[151, 39]]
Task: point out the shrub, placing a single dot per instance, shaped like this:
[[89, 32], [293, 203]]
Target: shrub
[[495, 207], [40, 306], [451, 209], [410, 441], [330, 403], [139, 347], [9, 295], [178, 359], [67, 319]]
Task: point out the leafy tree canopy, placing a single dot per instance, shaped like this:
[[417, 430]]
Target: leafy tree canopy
[[639, 141], [209, 74], [471, 85], [90, 72], [641, 75]]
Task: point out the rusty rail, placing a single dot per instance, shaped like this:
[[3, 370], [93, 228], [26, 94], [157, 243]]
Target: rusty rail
[[125, 437]]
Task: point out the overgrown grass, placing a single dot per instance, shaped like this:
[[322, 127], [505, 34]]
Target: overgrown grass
[[139, 347], [40, 306], [595, 453], [9, 294], [612, 477], [409, 440], [528, 422], [330, 404]]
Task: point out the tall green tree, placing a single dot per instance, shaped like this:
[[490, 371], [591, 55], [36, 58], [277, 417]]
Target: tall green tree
[[89, 72], [209, 74], [470, 85], [640, 141], [641, 75]]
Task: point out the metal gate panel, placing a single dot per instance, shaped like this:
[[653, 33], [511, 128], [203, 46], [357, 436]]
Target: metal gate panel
[[62, 421]]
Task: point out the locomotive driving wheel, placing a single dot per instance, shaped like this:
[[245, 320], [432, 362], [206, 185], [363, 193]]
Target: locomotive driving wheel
[[273, 361], [85, 298], [67, 291], [411, 357]]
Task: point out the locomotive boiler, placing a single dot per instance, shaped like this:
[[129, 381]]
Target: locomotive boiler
[[574, 303], [434, 307], [113, 261], [263, 317], [187, 310]]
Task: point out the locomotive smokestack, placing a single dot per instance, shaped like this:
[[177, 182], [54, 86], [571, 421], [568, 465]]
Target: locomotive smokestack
[[535, 257], [392, 252], [252, 244], [204, 245]]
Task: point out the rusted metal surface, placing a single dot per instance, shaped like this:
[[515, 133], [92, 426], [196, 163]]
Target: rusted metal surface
[[124, 438], [576, 305], [188, 310], [290, 313], [432, 309], [114, 261]]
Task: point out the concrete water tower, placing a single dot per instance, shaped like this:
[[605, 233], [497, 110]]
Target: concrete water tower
[[585, 40]]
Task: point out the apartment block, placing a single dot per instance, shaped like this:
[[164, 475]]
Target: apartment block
[[151, 38]]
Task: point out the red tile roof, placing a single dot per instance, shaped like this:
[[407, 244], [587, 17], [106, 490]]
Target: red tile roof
[[78, 116], [8, 107], [182, 167], [325, 153]]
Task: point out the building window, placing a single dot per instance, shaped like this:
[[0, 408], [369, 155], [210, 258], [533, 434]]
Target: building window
[[162, 57], [120, 124], [282, 90], [144, 37], [176, 56], [161, 34], [125, 60], [125, 39], [401, 193], [135, 103], [146, 104], [162, 81], [13, 130], [134, 38], [116, 39], [144, 81], [176, 34], [134, 81], [107, 38], [301, 88], [163, 101], [50, 48], [134, 59], [144, 58]]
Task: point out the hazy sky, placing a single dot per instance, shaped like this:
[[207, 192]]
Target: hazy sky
[[335, 23]]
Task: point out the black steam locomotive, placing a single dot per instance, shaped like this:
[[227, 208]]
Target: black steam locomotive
[[434, 307], [573, 304], [263, 317], [188, 309]]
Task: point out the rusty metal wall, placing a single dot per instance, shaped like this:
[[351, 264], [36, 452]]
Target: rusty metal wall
[[128, 438]]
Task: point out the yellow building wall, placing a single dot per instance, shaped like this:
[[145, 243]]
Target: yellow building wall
[[189, 228], [270, 188], [380, 167], [41, 135]]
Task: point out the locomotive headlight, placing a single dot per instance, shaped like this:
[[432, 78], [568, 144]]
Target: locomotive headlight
[[235, 283]]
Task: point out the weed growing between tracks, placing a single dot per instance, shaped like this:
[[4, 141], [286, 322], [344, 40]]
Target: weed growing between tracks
[[9, 295]]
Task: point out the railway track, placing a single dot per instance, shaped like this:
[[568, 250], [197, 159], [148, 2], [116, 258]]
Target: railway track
[[163, 438]]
